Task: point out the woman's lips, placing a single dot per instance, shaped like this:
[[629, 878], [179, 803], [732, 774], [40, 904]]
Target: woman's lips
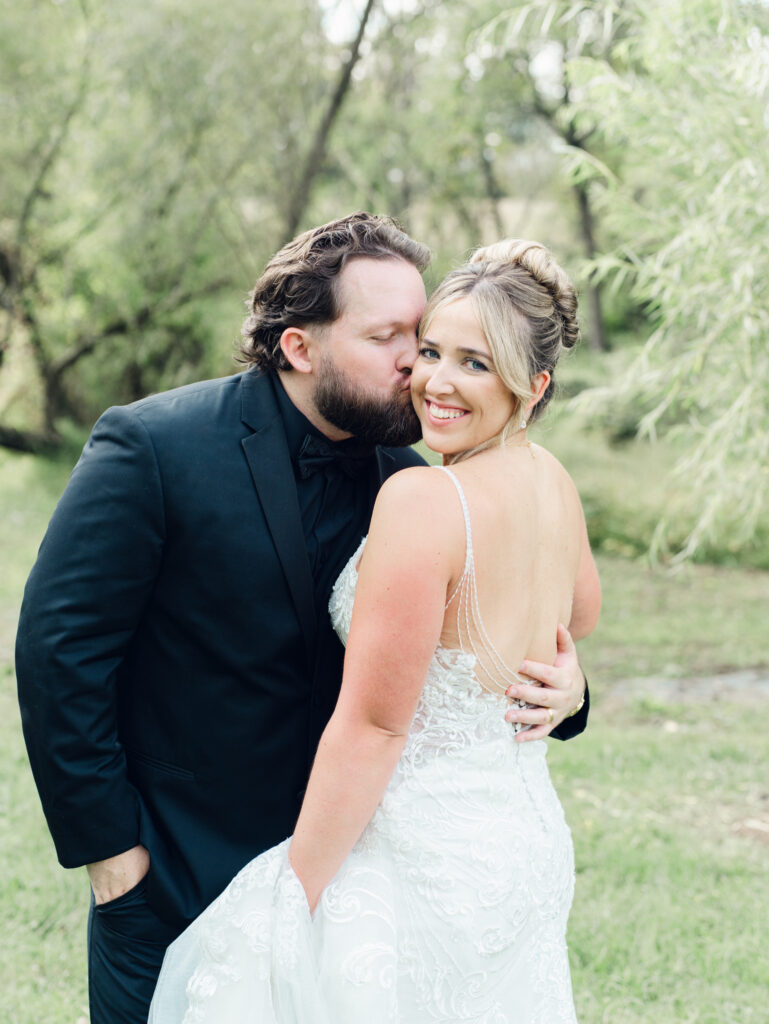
[[443, 413]]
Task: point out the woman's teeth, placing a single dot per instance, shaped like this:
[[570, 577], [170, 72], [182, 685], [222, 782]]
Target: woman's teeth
[[445, 414]]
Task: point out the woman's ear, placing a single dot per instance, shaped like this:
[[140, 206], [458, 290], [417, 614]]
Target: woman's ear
[[297, 346], [539, 383]]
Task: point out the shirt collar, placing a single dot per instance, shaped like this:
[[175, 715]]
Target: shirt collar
[[297, 427]]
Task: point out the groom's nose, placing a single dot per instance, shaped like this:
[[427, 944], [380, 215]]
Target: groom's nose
[[407, 353]]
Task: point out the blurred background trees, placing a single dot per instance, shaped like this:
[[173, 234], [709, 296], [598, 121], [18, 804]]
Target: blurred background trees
[[155, 155]]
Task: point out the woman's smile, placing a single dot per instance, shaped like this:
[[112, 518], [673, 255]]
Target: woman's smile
[[443, 413]]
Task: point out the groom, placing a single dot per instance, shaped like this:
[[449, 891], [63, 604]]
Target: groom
[[175, 661]]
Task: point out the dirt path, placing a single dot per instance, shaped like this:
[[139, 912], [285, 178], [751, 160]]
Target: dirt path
[[747, 685]]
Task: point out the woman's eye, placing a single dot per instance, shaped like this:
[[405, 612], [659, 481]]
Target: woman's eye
[[475, 364], [428, 353]]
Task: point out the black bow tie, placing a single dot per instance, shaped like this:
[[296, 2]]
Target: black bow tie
[[318, 454]]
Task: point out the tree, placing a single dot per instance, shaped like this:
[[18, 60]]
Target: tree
[[431, 134], [541, 40], [313, 163], [144, 178], [686, 100]]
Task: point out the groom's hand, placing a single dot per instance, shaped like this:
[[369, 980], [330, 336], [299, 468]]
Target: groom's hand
[[556, 694], [114, 876]]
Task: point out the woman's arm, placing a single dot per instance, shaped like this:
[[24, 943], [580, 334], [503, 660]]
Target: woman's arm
[[415, 542], [586, 603]]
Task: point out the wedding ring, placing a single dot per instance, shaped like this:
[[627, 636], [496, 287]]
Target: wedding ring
[[550, 716]]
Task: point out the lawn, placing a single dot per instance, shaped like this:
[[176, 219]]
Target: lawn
[[668, 801]]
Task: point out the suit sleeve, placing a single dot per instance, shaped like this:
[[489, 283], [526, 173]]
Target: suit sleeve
[[573, 726], [84, 598]]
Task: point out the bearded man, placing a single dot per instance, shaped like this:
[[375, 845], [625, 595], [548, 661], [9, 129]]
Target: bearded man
[[175, 659]]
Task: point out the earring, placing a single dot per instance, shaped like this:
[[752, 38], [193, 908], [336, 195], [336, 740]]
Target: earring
[[523, 423]]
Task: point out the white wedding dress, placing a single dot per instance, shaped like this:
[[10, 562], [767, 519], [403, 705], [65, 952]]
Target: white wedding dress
[[452, 906]]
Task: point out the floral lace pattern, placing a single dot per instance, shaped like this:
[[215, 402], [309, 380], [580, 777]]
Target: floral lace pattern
[[452, 906]]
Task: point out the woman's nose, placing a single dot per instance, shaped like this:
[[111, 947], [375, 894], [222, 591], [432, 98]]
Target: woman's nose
[[441, 380]]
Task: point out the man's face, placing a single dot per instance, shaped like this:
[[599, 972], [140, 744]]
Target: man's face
[[362, 381]]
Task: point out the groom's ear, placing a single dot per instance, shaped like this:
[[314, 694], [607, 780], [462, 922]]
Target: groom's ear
[[299, 348]]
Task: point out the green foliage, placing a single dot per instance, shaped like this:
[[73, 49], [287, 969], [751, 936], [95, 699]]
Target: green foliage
[[151, 153], [686, 99], [149, 175]]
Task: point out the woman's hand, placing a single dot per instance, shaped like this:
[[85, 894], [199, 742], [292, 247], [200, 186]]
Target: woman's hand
[[312, 897], [561, 691]]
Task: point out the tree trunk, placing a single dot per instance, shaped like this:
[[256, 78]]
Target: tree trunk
[[28, 441], [493, 191], [314, 162], [597, 337]]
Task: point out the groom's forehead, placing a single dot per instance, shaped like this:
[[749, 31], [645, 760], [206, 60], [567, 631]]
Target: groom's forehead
[[374, 291]]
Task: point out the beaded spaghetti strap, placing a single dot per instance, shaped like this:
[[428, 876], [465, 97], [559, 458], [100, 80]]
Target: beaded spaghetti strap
[[492, 672]]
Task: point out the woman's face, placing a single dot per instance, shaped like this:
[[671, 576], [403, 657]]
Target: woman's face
[[460, 400]]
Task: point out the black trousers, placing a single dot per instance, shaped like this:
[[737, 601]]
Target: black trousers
[[126, 945]]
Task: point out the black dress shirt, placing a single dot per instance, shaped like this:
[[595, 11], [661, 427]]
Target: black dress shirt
[[335, 507]]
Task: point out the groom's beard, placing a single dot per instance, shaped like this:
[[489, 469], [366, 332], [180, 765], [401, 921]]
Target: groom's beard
[[387, 421]]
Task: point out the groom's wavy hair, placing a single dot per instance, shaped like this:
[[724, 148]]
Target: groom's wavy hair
[[298, 286]]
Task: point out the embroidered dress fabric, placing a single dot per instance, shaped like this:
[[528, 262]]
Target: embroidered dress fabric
[[452, 906]]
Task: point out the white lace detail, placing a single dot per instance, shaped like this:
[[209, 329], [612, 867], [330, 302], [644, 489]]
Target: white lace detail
[[452, 906]]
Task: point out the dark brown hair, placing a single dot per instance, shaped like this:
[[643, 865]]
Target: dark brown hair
[[298, 284]]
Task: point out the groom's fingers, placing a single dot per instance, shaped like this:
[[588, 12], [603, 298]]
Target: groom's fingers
[[540, 671], [551, 692], [537, 732], [547, 695], [565, 641]]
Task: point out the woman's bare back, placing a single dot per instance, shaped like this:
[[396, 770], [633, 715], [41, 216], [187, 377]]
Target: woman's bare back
[[527, 528]]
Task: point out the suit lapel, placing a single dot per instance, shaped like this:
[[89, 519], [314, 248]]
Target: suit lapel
[[386, 466], [270, 464]]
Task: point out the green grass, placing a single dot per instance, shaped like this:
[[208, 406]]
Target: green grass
[[670, 920], [665, 800]]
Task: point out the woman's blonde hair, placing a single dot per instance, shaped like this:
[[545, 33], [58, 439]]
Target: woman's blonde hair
[[527, 309]]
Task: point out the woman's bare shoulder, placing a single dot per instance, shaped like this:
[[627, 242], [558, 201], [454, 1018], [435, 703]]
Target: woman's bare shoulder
[[414, 486], [560, 474], [422, 501]]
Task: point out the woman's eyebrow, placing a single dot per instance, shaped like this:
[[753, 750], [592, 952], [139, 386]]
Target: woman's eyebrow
[[474, 352], [462, 350]]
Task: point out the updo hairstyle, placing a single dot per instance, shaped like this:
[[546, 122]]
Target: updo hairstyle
[[527, 309]]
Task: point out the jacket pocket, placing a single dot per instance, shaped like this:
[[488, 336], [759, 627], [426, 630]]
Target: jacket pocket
[[161, 766]]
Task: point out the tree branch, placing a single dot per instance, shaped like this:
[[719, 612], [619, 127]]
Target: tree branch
[[28, 441], [317, 151], [122, 325]]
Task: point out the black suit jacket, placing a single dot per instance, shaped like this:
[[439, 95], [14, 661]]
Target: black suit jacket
[[166, 648]]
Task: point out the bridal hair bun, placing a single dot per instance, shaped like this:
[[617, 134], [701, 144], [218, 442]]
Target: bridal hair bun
[[538, 262]]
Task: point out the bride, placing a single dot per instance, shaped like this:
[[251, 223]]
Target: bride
[[431, 871]]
